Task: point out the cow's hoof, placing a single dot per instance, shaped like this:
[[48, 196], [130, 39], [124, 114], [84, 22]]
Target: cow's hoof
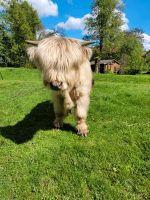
[[82, 130], [58, 124]]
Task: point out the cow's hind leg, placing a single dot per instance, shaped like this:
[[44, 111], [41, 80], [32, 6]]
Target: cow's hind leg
[[82, 105], [58, 102]]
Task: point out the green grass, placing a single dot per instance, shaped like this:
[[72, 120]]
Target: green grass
[[38, 162]]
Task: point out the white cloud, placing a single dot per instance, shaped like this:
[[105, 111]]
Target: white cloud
[[146, 46], [45, 8], [146, 37], [125, 20], [125, 26], [74, 23], [146, 41]]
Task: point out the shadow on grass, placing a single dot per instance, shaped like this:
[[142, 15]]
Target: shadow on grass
[[40, 118]]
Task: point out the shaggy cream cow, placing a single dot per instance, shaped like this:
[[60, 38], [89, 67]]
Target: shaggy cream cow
[[65, 66]]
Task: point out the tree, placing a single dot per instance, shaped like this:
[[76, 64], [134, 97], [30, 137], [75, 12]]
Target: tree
[[147, 61], [131, 52], [23, 19], [8, 47], [4, 44], [138, 33], [104, 25], [20, 22]]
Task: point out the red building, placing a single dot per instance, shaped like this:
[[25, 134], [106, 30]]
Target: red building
[[103, 66]]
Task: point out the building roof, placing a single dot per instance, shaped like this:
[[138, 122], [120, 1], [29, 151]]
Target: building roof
[[108, 61], [92, 62]]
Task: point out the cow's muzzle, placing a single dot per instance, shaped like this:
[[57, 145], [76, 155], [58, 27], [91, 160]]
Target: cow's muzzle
[[56, 85]]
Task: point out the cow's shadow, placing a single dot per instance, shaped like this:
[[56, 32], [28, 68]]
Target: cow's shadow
[[40, 118]]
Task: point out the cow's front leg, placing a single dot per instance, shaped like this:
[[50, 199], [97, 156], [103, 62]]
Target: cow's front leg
[[58, 102], [82, 105], [68, 103]]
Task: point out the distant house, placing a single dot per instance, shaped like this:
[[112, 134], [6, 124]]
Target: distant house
[[103, 66]]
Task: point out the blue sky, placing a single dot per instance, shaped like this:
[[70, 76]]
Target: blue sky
[[66, 9], [70, 15], [138, 13]]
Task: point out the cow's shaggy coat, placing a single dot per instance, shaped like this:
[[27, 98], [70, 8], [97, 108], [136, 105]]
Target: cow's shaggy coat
[[66, 70]]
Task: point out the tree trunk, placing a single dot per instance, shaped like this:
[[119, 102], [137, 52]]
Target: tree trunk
[[100, 49], [97, 66], [101, 45]]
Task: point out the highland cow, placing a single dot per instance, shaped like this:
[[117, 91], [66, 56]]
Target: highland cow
[[65, 66]]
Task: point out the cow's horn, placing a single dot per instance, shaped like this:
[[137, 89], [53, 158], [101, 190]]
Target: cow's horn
[[35, 43], [84, 43]]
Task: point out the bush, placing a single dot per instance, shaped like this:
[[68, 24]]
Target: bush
[[29, 65], [132, 71]]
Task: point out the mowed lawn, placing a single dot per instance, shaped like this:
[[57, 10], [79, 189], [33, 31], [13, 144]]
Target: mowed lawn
[[38, 162]]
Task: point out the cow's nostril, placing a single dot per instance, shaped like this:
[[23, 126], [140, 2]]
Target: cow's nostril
[[60, 84], [55, 85], [51, 84]]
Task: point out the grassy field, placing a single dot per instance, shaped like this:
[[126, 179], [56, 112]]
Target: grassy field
[[38, 162]]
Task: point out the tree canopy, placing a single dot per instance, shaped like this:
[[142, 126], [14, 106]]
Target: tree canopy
[[131, 52], [19, 21], [112, 41], [105, 23]]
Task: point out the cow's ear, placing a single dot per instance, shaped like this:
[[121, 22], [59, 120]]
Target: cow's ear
[[88, 52], [31, 53]]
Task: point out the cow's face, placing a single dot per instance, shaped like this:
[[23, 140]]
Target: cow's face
[[60, 60], [55, 85]]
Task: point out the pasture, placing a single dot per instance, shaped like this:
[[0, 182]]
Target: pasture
[[39, 162]]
